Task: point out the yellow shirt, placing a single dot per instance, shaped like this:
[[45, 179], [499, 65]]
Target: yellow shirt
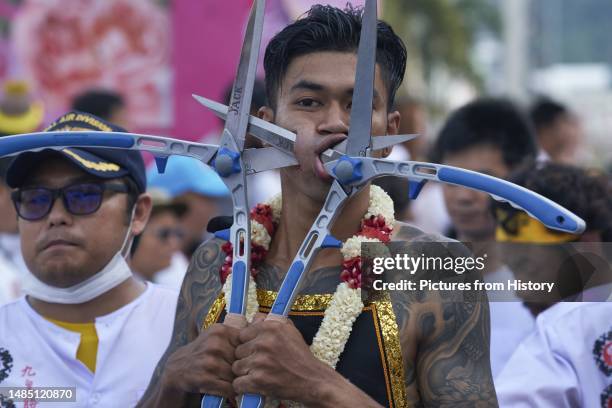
[[88, 347]]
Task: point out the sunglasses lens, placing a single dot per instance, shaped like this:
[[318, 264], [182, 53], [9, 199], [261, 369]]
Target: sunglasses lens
[[83, 199], [34, 203]]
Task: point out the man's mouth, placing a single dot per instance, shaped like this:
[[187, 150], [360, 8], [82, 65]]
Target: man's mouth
[[57, 244], [319, 168]]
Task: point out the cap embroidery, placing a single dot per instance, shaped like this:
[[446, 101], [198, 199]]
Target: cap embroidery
[[91, 165]]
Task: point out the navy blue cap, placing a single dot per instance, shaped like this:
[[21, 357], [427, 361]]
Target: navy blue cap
[[99, 162]]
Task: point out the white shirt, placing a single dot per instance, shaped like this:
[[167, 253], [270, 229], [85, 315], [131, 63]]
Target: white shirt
[[172, 276], [566, 362], [132, 339], [511, 321], [10, 283]]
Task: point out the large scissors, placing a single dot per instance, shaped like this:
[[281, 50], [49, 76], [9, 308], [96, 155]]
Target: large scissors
[[354, 170]]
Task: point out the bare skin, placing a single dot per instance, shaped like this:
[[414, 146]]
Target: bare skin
[[272, 357], [63, 249]]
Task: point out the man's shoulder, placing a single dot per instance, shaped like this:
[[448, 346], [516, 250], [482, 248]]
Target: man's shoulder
[[13, 316], [210, 252], [408, 238], [408, 232]]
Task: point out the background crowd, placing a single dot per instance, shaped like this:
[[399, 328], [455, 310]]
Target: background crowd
[[548, 133]]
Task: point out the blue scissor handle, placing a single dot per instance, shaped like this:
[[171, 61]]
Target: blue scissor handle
[[212, 401], [239, 279], [251, 401], [16, 144], [282, 304], [548, 212]]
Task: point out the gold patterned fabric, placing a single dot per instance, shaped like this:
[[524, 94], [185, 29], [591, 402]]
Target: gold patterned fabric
[[378, 316]]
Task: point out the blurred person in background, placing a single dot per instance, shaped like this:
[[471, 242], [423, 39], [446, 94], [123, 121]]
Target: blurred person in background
[[567, 361], [160, 242], [558, 130], [11, 261], [199, 189], [106, 104], [427, 212], [19, 113], [490, 136], [86, 321], [577, 264]]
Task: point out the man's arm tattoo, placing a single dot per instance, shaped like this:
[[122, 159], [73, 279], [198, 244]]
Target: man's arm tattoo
[[201, 286]]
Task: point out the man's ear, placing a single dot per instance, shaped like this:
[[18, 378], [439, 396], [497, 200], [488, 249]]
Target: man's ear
[[142, 212], [266, 113], [393, 123]]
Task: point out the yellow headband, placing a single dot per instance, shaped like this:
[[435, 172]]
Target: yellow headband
[[528, 230]]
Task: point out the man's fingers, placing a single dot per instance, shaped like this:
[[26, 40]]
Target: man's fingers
[[259, 317], [244, 350], [220, 388], [243, 366], [249, 333]]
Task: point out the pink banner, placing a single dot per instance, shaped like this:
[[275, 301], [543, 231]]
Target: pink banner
[[207, 39], [67, 46]]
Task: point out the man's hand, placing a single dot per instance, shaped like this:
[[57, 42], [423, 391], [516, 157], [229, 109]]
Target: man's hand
[[274, 360], [204, 365]]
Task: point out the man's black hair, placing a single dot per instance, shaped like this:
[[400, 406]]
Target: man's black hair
[[101, 103], [494, 122], [545, 111], [258, 99], [327, 28], [586, 193]]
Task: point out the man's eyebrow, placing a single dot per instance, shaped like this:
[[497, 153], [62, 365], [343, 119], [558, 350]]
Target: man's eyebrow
[[307, 85], [376, 95]]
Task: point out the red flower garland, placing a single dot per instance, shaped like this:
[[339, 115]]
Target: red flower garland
[[374, 227], [262, 213]]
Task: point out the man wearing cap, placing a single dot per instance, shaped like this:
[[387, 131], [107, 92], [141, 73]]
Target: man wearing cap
[[199, 188], [85, 321]]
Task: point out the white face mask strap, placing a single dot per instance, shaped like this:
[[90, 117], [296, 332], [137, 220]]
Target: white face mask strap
[[126, 246]]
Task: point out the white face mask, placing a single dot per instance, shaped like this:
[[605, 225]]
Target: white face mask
[[114, 273]]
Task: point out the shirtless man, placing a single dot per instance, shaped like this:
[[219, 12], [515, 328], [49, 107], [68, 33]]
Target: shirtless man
[[413, 349]]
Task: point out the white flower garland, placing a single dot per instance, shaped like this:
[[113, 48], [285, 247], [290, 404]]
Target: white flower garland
[[345, 306]]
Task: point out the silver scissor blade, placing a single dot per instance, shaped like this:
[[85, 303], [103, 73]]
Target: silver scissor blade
[[242, 90], [266, 158], [361, 111], [267, 132], [379, 142], [284, 140]]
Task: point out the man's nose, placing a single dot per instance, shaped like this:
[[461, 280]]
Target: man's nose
[[59, 215], [462, 195], [336, 120]]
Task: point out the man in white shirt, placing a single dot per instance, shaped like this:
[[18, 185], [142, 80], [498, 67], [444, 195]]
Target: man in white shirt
[[567, 362], [86, 322]]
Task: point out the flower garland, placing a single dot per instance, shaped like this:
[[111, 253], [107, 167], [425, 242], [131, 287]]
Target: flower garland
[[330, 340]]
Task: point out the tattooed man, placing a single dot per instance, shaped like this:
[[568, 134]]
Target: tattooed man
[[406, 349]]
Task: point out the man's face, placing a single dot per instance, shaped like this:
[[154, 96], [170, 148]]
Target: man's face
[[200, 209], [314, 101], [64, 249], [563, 140], [469, 209], [158, 243]]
